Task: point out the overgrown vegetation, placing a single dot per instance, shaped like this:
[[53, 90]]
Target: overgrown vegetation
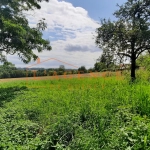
[[110, 113], [82, 113]]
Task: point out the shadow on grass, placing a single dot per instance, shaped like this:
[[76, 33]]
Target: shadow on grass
[[8, 94]]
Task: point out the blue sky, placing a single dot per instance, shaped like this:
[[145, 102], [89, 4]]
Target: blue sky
[[71, 26], [98, 8]]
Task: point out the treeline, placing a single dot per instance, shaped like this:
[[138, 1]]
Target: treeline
[[8, 70]]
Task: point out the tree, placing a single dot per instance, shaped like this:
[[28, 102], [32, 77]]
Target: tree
[[105, 61], [7, 69], [61, 68], [129, 36], [9, 65], [16, 36], [82, 69]]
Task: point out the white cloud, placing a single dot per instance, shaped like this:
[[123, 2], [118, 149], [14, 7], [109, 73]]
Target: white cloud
[[64, 15], [74, 31]]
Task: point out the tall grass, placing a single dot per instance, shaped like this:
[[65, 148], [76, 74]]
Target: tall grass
[[86, 113]]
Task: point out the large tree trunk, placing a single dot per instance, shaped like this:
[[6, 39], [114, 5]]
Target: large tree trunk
[[133, 67]]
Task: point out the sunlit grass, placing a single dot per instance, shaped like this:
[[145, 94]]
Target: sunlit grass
[[76, 113]]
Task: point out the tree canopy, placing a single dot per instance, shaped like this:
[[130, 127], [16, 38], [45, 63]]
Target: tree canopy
[[16, 36], [129, 36]]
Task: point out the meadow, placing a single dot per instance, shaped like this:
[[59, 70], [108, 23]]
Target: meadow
[[87, 113]]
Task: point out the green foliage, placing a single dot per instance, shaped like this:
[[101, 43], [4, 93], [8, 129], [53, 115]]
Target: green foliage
[[104, 62], [129, 36], [85, 113], [8, 70], [82, 70], [144, 61], [16, 36], [61, 68]]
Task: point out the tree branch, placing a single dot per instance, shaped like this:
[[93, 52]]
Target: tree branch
[[124, 54], [3, 49], [140, 53], [146, 48]]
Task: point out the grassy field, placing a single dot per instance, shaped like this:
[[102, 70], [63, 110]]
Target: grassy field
[[92, 74], [92, 113]]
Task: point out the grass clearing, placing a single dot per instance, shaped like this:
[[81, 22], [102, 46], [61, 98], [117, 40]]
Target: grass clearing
[[77, 113]]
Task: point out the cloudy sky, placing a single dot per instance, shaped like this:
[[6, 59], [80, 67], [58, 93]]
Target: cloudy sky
[[71, 29]]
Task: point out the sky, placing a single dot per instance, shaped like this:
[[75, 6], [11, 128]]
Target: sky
[[71, 26]]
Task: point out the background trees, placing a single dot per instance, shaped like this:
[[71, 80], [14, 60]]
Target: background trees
[[144, 61], [8, 70], [82, 69], [16, 36], [104, 62], [129, 36]]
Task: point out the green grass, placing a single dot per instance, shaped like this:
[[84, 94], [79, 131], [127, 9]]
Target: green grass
[[75, 114]]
